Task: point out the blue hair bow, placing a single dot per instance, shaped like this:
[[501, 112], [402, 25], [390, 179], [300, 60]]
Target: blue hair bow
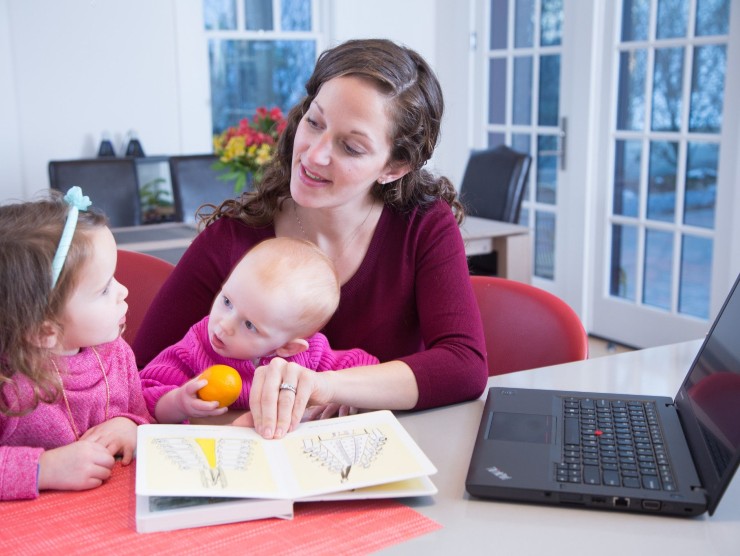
[[77, 202]]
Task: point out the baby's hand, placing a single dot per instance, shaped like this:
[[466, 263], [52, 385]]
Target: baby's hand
[[183, 403], [79, 466], [118, 435]]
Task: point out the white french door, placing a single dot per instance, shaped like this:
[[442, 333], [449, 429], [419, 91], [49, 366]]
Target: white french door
[[530, 92], [634, 136], [668, 148]]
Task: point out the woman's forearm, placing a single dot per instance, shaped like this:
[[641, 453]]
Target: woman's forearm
[[390, 385]]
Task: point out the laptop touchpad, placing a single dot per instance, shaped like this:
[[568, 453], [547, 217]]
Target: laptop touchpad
[[521, 427]]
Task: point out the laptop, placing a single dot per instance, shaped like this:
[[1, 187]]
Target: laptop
[[620, 452]]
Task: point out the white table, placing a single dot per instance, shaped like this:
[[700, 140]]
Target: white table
[[511, 241], [486, 527]]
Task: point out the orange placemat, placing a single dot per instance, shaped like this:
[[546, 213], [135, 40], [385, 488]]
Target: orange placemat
[[102, 521]]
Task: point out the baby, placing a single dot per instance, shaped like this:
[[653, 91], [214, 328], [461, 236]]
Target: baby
[[274, 302]]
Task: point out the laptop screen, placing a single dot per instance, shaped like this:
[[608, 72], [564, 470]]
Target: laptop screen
[[709, 401]]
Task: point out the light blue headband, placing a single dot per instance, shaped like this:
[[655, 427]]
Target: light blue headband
[[77, 202]]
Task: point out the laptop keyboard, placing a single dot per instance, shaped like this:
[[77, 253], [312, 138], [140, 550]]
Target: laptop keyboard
[[613, 443]]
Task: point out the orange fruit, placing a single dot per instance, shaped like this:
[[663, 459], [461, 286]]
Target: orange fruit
[[224, 385]]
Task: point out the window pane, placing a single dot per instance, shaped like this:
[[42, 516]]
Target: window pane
[[696, 275], [635, 18], [656, 290], [522, 94], [701, 184], [524, 24], [627, 160], [667, 80], [544, 245], [524, 217], [258, 15], [623, 272], [497, 91], [249, 74], [496, 139], [631, 103], [295, 15], [499, 23], [520, 142], [672, 18], [712, 17], [549, 98], [219, 14], [547, 169], [551, 23], [661, 201], [708, 89]]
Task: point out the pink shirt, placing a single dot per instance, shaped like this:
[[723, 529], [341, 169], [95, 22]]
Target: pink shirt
[[23, 439], [193, 354], [410, 300]]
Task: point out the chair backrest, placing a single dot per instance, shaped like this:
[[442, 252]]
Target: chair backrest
[[143, 275], [494, 183], [526, 327], [195, 183], [111, 183]]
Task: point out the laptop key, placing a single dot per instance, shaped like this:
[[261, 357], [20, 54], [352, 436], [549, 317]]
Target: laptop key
[[572, 434], [611, 478], [591, 475], [631, 482], [650, 482]]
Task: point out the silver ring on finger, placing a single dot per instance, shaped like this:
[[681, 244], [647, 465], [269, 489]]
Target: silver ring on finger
[[286, 386]]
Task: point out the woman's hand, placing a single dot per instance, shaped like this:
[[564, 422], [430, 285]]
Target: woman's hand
[[81, 465], [117, 435], [277, 411]]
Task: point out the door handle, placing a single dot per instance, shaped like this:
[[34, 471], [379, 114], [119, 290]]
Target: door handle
[[562, 143]]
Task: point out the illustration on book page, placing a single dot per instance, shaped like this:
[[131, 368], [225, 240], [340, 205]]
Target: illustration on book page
[[205, 464], [339, 459]]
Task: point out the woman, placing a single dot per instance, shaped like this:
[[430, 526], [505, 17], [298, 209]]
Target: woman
[[348, 176]]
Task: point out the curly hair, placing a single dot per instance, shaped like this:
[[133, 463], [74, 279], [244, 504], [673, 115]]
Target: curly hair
[[415, 111], [29, 235]]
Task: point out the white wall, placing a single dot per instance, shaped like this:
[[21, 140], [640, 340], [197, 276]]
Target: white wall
[[71, 69], [11, 186], [81, 67]]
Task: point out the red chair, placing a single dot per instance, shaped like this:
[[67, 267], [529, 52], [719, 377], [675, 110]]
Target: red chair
[[143, 275], [526, 327]]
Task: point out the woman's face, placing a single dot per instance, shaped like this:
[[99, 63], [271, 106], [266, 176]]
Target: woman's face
[[342, 145]]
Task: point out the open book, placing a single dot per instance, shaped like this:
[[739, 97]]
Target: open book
[[369, 455]]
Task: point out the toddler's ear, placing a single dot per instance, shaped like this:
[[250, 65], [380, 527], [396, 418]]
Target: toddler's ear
[[293, 347], [46, 336]]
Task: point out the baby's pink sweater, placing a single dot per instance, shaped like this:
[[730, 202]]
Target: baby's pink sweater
[[193, 354], [23, 439]]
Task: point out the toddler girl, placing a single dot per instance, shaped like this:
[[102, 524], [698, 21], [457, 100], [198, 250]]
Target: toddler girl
[[70, 395]]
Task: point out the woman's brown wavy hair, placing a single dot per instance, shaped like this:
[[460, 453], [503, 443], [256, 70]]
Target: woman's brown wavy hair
[[415, 111]]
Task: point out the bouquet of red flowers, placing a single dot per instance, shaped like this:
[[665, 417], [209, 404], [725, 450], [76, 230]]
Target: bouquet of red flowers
[[246, 148]]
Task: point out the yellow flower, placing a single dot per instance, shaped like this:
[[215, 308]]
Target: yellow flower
[[235, 149], [264, 154]]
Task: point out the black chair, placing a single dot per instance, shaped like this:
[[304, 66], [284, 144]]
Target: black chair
[[111, 183], [195, 183], [493, 187]]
